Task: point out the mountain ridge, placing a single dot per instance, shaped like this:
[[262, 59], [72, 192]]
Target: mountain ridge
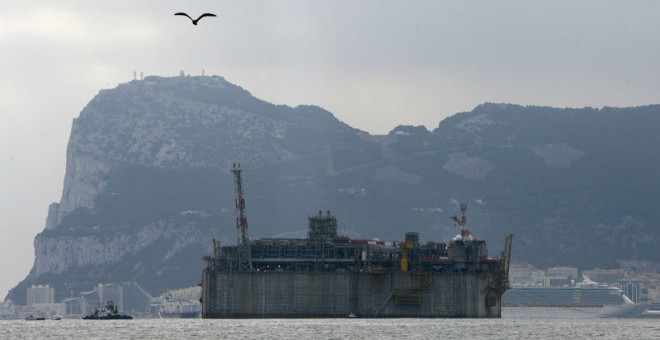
[[148, 185]]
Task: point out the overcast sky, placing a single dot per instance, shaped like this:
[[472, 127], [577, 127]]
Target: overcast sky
[[374, 64]]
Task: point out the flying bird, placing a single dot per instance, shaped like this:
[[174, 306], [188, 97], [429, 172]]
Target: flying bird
[[194, 21]]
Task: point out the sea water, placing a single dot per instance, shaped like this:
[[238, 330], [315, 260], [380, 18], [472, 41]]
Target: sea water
[[299, 329]]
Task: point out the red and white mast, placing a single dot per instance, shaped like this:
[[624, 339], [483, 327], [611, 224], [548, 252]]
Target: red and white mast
[[243, 249]]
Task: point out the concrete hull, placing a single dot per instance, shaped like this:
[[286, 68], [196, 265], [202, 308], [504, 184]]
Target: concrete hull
[[273, 294]]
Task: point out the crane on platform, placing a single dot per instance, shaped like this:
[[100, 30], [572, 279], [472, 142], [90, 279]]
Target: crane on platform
[[462, 222]]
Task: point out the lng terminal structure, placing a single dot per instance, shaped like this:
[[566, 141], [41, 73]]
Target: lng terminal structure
[[328, 275]]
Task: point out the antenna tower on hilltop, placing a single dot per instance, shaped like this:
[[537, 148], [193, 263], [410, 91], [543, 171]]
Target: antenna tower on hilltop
[[243, 250]]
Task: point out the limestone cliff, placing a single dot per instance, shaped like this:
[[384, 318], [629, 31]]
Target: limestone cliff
[[112, 216]]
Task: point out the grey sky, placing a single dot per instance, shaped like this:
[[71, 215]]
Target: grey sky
[[374, 64]]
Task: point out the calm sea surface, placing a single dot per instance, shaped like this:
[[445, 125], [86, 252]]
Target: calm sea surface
[[399, 329]]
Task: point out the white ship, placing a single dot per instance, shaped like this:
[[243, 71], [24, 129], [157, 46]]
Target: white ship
[[580, 301], [180, 308]]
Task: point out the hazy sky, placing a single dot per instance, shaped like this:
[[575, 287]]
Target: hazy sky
[[374, 64]]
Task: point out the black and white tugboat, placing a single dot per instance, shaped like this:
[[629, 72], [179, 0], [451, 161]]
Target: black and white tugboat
[[108, 312]]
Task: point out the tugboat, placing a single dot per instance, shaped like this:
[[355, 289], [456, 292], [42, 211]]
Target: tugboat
[[108, 312]]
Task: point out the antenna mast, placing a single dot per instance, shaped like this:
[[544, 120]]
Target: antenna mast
[[243, 249]]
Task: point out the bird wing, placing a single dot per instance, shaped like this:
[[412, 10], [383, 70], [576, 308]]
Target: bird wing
[[184, 14], [206, 15]]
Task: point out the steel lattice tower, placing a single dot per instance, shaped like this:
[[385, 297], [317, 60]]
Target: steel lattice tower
[[243, 250]]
